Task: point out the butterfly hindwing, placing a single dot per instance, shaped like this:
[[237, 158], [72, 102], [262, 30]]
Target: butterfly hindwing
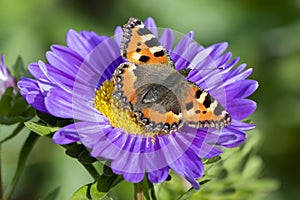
[[141, 89], [202, 110]]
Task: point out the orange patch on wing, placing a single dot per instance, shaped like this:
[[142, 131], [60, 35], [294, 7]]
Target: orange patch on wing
[[198, 112], [128, 85], [157, 117], [136, 43]]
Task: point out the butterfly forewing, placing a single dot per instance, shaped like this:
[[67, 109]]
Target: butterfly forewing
[[141, 46]]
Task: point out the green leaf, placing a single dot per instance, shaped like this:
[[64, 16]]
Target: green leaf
[[40, 129], [52, 195], [25, 151], [19, 69], [14, 109], [253, 167], [85, 158], [75, 150], [83, 193], [187, 195], [100, 189], [5, 100], [211, 160], [95, 194], [14, 133], [54, 121], [105, 183], [107, 170]]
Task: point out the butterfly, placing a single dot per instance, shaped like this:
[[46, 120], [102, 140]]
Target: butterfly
[[159, 96]]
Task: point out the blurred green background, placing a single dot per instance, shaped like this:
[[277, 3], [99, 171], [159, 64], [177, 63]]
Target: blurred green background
[[265, 34]]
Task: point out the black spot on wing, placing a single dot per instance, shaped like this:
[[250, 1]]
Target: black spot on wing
[[144, 58], [138, 49], [153, 42], [143, 31], [159, 53], [189, 105], [198, 94], [218, 110], [208, 100]]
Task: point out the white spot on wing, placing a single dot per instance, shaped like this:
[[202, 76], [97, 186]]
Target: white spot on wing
[[156, 49], [190, 112], [224, 113], [213, 105], [147, 37], [136, 56], [202, 97]]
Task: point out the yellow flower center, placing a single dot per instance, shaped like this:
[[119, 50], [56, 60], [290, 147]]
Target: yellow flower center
[[119, 117]]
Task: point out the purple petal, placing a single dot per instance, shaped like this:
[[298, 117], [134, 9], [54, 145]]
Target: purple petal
[[158, 175], [240, 108], [55, 76], [217, 49], [59, 103], [151, 25], [74, 132], [118, 35], [166, 39], [227, 137], [64, 59], [131, 177], [78, 43], [190, 167], [30, 90], [238, 74], [223, 60], [242, 125], [241, 89], [93, 38], [93, 139], [36, 72], [66, 135], [202, 148], [184, 51], [231, 137]]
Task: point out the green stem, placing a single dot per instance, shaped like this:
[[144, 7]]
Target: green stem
[[14, 133], [138, 191], [25, 151]]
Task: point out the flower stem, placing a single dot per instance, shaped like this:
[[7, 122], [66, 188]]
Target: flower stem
[[25, 151], [138, 191]]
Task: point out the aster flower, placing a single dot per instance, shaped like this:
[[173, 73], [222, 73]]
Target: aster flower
[[6, 80], [76, 84]]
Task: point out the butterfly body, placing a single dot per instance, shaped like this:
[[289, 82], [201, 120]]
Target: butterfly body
[[160, 97]]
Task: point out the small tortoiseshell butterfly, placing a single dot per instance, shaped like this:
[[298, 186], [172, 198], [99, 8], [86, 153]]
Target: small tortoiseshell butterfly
[[159, 96]]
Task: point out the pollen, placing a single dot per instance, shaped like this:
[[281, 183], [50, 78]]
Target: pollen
[[119, 117]]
